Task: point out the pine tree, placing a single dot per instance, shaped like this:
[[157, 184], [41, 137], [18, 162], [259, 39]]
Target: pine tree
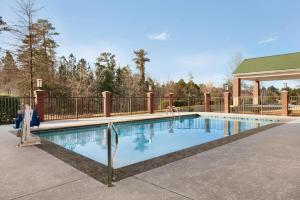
[[9, 73], [180, 88], [72, 65], [82, 77], [44, 32], [63, 70], [105, 72], [140, 61], [121, 74]]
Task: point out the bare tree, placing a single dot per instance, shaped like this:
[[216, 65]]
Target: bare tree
[[235, 61], [3, 28], [3, 25], [24, 31]]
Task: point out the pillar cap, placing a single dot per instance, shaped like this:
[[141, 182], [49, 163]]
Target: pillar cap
[[106, 92], [39, 90], [284, 91], [149, 93]]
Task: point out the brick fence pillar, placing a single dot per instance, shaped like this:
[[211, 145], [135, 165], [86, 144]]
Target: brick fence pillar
[[227, 96], [39, 103], [207, 102], [171, 99], [150, 102], [284, 103], [106, 103]]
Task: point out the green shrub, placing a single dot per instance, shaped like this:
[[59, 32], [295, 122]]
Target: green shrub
[[180, 103], [164, 104], [8, 109]]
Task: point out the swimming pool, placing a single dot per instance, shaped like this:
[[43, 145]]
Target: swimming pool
[[147, 139]]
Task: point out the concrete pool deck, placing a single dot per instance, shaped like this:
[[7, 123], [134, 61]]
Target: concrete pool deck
[[262, 166]]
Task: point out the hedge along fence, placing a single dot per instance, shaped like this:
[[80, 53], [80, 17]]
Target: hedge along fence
[[9, 107], [189, 104], [185, 104]]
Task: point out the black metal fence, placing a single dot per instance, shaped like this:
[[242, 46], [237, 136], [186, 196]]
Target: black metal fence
[[57, 108], [189, 104], [128, 105], [217, 104], [266, 105], [161, 104], [294, 106]]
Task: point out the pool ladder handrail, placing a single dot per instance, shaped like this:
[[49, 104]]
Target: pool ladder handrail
[[110, 157], [172, 109]]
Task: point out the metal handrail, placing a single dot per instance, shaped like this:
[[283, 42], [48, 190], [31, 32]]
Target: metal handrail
[[177, 110], [110, 157], [116, 146], [171, 109], [116, 133]]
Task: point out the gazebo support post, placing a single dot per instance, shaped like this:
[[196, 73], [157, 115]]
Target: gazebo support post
[[236, 91], [256, 92], [284, 103]]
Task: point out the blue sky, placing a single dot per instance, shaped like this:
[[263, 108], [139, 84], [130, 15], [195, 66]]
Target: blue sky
[[182, 37]]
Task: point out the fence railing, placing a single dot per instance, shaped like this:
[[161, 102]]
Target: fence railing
[[267, 105], [9, 107], [294, 105], [57, 108], [217, 104], [189, 104], [161, 104], [270, 105], [128, 105]]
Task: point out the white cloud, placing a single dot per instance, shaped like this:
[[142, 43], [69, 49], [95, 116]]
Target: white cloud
[[270, 39], [159, 36]]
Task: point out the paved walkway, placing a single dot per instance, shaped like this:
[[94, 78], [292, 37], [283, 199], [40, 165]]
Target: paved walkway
[[263, 166]]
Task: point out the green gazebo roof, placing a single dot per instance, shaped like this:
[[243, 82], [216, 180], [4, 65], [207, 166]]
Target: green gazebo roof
[[289, 61]]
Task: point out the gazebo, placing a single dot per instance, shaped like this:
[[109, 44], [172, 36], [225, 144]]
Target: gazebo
[[276, 67]]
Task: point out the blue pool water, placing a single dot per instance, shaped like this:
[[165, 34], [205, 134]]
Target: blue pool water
[[139, 141]]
